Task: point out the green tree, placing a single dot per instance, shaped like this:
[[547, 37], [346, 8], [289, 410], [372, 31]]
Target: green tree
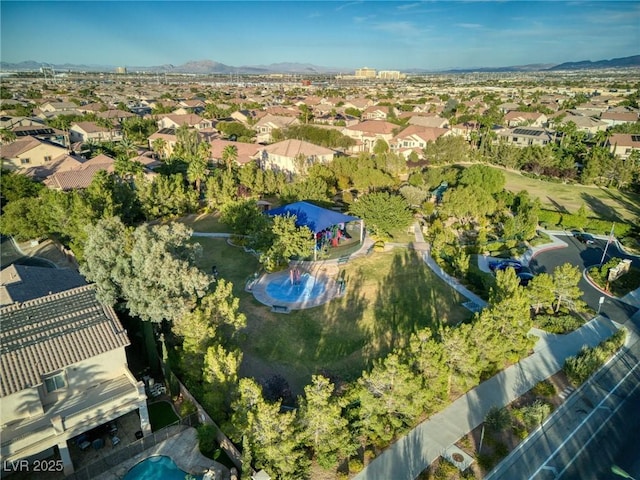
[[323, 426], [383, 213], [390, 400], [289, 242], [565, 283], [541, 291], [220, 376], [14, 186], [482, 176]]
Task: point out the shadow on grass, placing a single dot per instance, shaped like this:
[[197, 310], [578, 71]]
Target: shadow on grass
[[602, 210]]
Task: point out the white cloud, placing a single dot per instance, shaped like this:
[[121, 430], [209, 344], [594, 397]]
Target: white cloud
[[469, 25]]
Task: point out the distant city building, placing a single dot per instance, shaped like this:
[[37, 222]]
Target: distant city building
[[365, 72], [121, 70], [390, 75]]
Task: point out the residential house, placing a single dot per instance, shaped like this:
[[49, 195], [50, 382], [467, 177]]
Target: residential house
[[91, 131], [624, 144], [247, 117], [72, 177], [57, 107], [414, 138], [360, 103], [267, 124], [192, 106], [30, 152], [292, 156], [619, 118], [367, 133], [379, 112], [526, 136], [279, 111], [94, 107], [583, 123], [246, 151], [191, 120], [20, 283], [64, 372], [465, 129], [518, 119], [116, 116], [169, 138], [431, 121]]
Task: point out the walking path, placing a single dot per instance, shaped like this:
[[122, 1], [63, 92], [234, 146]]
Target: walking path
[[414, 452]]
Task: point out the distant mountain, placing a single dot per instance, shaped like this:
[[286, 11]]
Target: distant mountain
[[209, 67], [623, 62]]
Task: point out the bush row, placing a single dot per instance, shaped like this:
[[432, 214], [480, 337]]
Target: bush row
[[552, 219], [580, 367]]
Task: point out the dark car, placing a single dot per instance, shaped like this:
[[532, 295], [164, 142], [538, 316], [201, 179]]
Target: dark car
[[525, 276], [517, 266], [585, 238]]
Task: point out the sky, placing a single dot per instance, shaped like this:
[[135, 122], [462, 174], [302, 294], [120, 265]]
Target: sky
[[385, 35]]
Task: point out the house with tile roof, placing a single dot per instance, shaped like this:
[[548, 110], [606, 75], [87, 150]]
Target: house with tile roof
[[624, 144], [91, 131], [431, 121], [367, 133], [267, 124], [190, 119], [29, 152], [619, 118], [292, 156], [63, 371], [21, 283], [526, 136], [379, 112], [246, 151], [81, 176], [533, 119], [414, 138]]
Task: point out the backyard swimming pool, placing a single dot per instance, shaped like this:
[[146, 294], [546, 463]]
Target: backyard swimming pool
[[157, 468], [294, 288]]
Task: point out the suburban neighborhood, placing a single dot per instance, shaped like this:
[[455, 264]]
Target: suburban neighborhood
[[288, 271]]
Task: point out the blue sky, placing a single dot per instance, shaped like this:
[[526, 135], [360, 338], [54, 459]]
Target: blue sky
[[347, 35]]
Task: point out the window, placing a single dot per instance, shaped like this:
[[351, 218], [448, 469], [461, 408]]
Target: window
[[25, 161], [47, 158], [55, 382]]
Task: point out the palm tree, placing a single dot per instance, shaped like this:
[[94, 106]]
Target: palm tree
[[197, 171], [158, 146], [128, 147], [7, 136], [230, 156]]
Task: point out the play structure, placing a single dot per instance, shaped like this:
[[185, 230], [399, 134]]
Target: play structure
[[328, 226]]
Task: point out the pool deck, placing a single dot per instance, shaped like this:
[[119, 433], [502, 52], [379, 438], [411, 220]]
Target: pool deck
[[183, 450]]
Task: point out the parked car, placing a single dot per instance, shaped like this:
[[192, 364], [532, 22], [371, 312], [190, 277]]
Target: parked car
[[503, 265], [585, 238], [525, 276]]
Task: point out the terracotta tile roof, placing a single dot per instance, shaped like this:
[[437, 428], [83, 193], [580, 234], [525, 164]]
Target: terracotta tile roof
[[190, 119], [44, 335], [374, 126], [115, 114], [620, 116], [79, 178], [246, 151], [89, 127], [291, 148], [625, 140], [428, 134], [428, 121], [19, 146], [515, 115]]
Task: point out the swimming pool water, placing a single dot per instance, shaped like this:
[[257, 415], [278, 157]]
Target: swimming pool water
[[285, 290], [157, 468]]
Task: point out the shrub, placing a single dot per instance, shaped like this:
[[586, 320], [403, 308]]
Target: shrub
[[544, 389], [355, 465], [497, 419], [187, 408], [580, 367], [206, 438], [557, 323]]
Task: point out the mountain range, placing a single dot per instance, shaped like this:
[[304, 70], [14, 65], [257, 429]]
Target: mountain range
[[204, 67]]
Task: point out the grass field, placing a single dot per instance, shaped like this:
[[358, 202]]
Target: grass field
[[389, 295], [205, 222], [604, 203]]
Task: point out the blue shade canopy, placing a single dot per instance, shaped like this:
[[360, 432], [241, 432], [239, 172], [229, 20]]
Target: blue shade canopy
[[308, 215]]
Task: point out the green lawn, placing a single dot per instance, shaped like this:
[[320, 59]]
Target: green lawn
[[389, 295], [604, 203], [161, 414], [205, 222]]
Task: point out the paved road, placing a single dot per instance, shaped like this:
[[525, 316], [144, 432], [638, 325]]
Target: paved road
[[584, 256], [595, 428]]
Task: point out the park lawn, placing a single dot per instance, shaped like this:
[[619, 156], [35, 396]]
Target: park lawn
[[233, 263], [388, 296], [205, 222], [604, 203], [161, 414]]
